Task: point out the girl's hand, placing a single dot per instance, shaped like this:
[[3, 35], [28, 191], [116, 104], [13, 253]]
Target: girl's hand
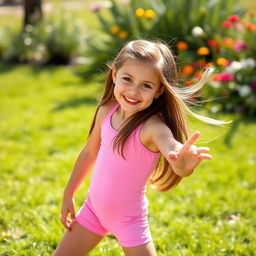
[[68, 207], [188, 157]]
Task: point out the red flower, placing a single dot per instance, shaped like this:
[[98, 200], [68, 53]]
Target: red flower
[[227, 24], [212, 42], [188, 83], [233, 18]]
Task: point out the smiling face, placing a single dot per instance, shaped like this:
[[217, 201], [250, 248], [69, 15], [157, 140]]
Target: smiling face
[[137, 83]]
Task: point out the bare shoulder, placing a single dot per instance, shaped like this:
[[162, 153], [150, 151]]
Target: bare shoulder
[[152, 128], [93, 144], [155, 124], [104, 110]]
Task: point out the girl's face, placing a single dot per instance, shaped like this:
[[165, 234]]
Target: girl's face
[[137, 83]]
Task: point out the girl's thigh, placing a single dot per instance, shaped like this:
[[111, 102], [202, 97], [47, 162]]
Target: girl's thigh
[[78, 242], [145, 250]]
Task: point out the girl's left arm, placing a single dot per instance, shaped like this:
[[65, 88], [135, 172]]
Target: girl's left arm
[[182, 157]]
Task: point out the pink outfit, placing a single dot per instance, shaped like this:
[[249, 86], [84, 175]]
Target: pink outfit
[[116, 199]]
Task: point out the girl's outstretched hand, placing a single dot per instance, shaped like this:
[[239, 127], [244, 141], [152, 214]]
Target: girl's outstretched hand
[[188, 157], [68, 207]]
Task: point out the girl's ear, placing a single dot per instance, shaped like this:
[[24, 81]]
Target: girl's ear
[[113, 74], [160, 91]]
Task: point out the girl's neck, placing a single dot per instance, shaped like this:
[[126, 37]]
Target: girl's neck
[[122, 116]]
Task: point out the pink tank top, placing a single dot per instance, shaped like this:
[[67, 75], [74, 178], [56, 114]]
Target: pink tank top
[[118, 185]]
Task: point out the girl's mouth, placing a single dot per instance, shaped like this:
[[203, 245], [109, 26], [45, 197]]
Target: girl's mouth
[[130, 101]]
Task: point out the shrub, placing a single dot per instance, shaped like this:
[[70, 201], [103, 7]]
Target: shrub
[[205, 33], [57, 40], [168, 20], [234, 52]]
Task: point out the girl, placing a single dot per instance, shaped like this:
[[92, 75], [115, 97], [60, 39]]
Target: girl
[[136, 138]]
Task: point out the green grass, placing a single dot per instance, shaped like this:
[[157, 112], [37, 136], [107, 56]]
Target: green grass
[[45, 116]]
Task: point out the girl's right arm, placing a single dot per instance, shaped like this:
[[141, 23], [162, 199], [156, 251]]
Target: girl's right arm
[[84, 163]]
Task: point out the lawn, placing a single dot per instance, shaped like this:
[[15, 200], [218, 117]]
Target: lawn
[[45, 117]]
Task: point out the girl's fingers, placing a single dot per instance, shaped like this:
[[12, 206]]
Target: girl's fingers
[[204, 156], [191, 140], [67, 222], [64, 220], [70, 223], [73, 217], [203, 150]]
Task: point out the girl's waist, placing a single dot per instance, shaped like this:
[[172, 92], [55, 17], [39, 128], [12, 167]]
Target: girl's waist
[[118, 205]]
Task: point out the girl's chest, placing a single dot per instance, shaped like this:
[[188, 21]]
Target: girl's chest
[[143, 134]]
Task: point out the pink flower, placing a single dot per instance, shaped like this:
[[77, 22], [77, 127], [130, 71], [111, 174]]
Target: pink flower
[[238, 26], [253, 85], [233, 18], [240, 45], [96, 8], [226, 77]]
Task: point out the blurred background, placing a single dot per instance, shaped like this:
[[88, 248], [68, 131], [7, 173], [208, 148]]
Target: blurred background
[[53, 57]]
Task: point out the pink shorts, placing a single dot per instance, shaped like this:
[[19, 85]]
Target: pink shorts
[[133, 233]]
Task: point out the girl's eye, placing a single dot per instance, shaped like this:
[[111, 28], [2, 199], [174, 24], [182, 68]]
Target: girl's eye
[[127, 79], [147, 86]]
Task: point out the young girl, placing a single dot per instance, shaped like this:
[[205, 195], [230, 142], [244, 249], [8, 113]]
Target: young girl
[[136, 138]]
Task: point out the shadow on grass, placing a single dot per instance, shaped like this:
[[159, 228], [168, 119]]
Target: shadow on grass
[[74, 103], [6, 68], [35, 69], [234, 127]]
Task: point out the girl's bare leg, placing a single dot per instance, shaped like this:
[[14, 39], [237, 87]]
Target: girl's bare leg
[[77, 242], [141, 250]]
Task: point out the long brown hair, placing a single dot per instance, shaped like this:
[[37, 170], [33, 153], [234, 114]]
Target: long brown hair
[[172, 105]]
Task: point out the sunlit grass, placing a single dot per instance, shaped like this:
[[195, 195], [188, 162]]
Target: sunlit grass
[[45, 117]]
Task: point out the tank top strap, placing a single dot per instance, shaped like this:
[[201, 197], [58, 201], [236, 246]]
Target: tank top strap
[[137, 138], [110, 113]]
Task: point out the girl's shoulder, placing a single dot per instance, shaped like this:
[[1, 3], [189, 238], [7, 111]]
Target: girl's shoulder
[[105, 109], [152, 125], [156, 119]]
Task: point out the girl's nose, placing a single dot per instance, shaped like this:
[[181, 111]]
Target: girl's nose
[[134, 89]]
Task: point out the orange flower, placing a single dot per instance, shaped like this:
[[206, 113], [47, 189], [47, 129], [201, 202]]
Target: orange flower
[[222, 62], [198, 75], [209, 64], [250, 26], [187, 70], [182, 46], [227, 42], [123, 34], [203, 51], [114, 29], [201, 63], [139, 12], [215, 77], [150, 14]]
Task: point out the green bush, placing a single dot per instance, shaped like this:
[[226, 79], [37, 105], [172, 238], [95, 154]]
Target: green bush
[[168, 20], [3, 43], [204, 33], [234, 51], [56, 40]]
